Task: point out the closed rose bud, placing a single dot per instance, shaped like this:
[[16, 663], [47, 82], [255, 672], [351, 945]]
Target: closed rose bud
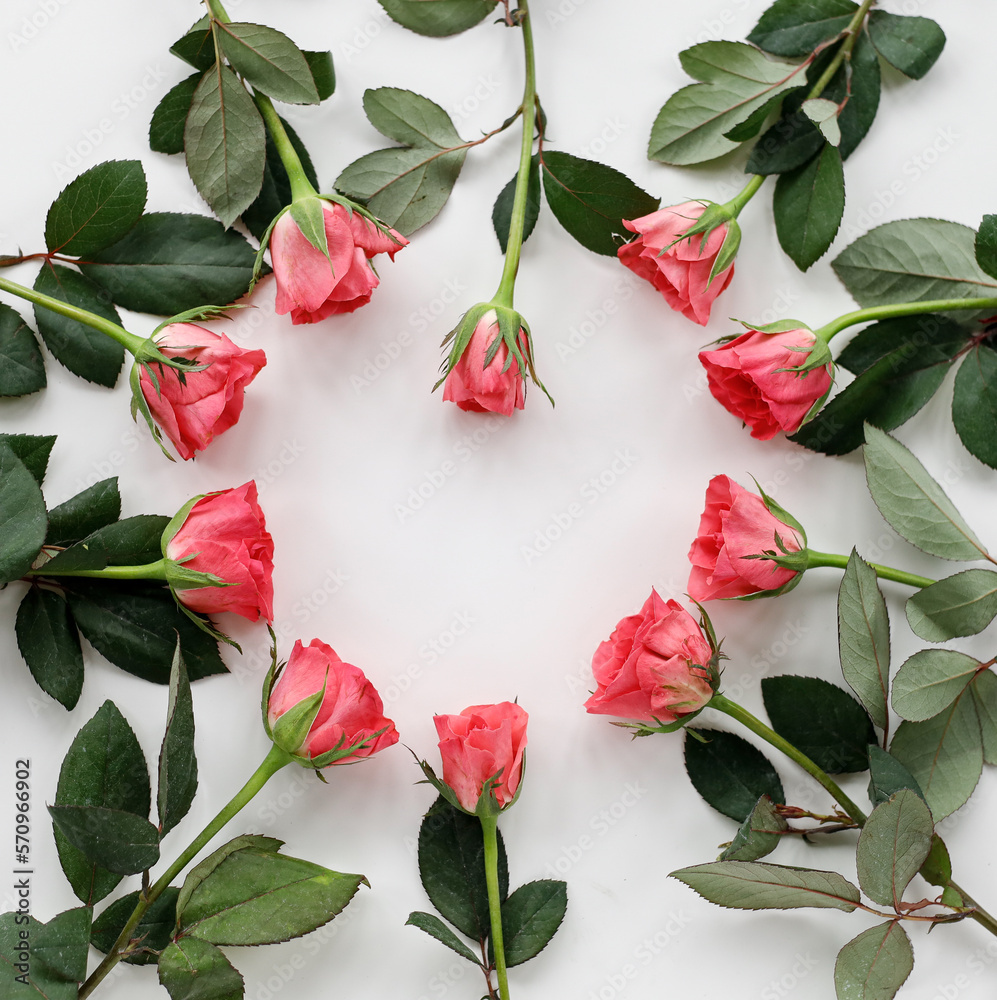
[[747, 376], [482, 743], [223, 535], [483, 383], [736, 528], [657, 666], [205, 403]]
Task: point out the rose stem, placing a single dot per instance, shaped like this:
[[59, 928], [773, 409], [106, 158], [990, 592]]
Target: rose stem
[[489, 828], [815, 559], [829, 330], [149, 571]]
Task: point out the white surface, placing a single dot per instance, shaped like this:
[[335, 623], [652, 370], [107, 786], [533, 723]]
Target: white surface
[[337, 462]]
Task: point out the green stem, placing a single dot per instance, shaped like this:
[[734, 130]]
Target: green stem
[[843, 53], [980, 915], [829, 330], [742, 198], [489, 828], [517, 223], [149, 571], [274, 761], [816, 559], [129, 341]]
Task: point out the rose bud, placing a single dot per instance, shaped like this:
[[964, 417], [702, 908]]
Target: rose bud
[[772, 381], [323, 711], [193, 407], [219, 555], [656, 667], [746, 545], [687, 252], [312, 282], [483, 755]]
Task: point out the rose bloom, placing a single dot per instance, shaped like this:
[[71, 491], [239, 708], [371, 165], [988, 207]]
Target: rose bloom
[[735, 526], [653, 666], [474, 387], [744, 376], [307, 286], [207, 402], [681, 273], [476, 745], [225, 534], [351, 709]]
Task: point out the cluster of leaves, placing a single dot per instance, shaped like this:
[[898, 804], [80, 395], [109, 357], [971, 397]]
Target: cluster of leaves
[[161, 263], [740, 88], [900, 363], [134, 624], [245, 893], [212, 119], [452, 868]]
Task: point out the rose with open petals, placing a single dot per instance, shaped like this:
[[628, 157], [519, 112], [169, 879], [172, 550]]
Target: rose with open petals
[[194, 410], [736, 527], [655, 667], [493, 387], [224, 535]]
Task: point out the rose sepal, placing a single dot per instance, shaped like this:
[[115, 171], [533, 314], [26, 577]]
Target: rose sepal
[[139, 405], [639, 729], [199, 313], [441, 786], [819, 356], [293, 726], [309, 216]]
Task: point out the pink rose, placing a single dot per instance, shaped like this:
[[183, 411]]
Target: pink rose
[[654, 667], [735, 527], [496, 387], [744, 375], [351, 711], [682, 272], [207, 402], [480, 743], [225, 534], [311, 286]]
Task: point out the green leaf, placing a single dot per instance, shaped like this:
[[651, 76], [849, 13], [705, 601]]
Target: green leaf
[[913, 503], [190, 969], [974, 403], [177, 761], [135, 626], [135, 541], [986, 245], [737, 80], [33, 450], [440, 18], [874, 965], [409, 118], [944, 754], [983, 688], [452, 868], [591, 200], [86, 352], [730, 773], [93, 508], [96, 209], [913, 260], [911, 44], [203, 869], [887, 776], [152, 934], [170, 116], [170, 263], [56, 955], [268, 60], [23, 521], [531, 917], [502, 210], [937, 868], [62, 944], [196, 48], [225, 143], [436, 928], [50, 645], [797, 27], [866, 83], [790, 143], [808, 205], [824, 114], [930, 680], [962, 604], [909, 342], [754, 885], [893, 844], [864, 637], [119, 841], [22, 367], [323, 72], [821, 720], [758, 835]]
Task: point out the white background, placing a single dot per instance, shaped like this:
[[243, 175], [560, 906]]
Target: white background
[[337, 460]]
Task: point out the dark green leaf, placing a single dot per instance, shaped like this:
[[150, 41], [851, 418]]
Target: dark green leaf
[[135, 541], [893, 844], [190, 969], [758, 835], [33, 450], [974, 403], [96, 209], [590, 200], [909, 342], [887, 776], [808, 204], [874, 965], [22, 368], [797, 27], [452, 868], [268, 60], [821, 720], [502, 210], [56, 955], [323, 72], [23, 520], [866, 82], [531, 917], [937, 867], [791, 142], [50, 645], [436, 928], [730, 773], [440, 18], [962, 604], [983, 688], [201, 871], [86, 352], [177, 762], [79, 516], [169, 263], [118, 841], [62, 944], [196, 48], [986, 245], [752, 125], [135, 626], [911, 44], [409, 118], [170, 116], [152, 934]]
